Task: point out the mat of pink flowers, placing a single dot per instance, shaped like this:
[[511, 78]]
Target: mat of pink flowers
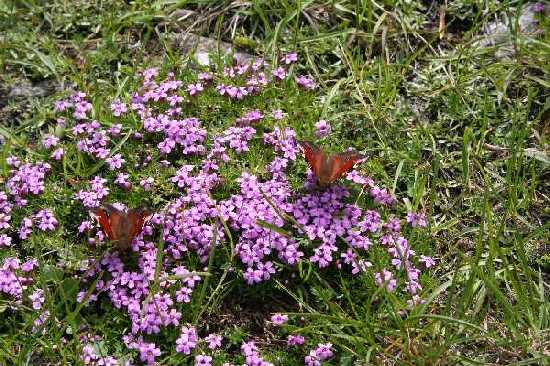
[[327, 228]]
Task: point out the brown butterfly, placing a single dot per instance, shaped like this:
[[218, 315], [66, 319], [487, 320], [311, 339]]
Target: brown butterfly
[[328, 169], [121, 226]]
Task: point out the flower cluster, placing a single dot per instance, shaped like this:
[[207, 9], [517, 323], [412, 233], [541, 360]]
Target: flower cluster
[[235, 138], [5, 218], [187, 340], [321, 353], [46, 220], [26, 179], [15, 278], [92, 139], [324, 226], [92, 198], [253, 358], [90, 357], [78, 103], [250, 118]]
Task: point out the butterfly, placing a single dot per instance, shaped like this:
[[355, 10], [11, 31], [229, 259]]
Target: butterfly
[[121, 226], [327, 169]]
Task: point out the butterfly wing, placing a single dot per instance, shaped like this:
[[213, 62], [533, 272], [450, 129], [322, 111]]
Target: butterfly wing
[[314, 156], [341, 163], [137, 218], [101, 215]]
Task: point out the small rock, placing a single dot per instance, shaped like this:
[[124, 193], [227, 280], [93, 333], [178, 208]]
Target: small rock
[[497, 33], [202, 47], [25, 89]]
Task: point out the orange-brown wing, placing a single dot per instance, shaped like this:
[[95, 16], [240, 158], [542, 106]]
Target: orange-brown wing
[[102, 216], [137, 218], [341, 163], [314, 156], [116, 220]]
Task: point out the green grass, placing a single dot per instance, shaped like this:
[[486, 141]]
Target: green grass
[[449, 127]]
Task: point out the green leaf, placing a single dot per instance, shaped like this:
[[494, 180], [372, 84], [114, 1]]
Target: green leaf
[[51, 273]]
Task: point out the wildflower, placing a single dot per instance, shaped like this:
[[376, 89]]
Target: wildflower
[[381, 195], [205, 76], [122, 180], [295, 340], [385, 279], [49, 140], [147, 183], [91, 199], [62, 105], [321, 353], [322, 128], [26, 228], [148, 352], [115, 162], [29, 265], [57, 154], [28, 179], [427, 261], [5, 241], [279, 73], [306, 82], [118, 108], [214, 340], [114, 131], [203, 360], [290, 58], [250, 117], [39, 322], [277, 114], [187, 340], [417, 219], [4, 221], [37, 299], [194, 89], [279, 319], [46, 220]]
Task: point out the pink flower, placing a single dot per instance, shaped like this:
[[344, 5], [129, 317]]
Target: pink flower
[[37, 299], [115, 162], [427, 261], [194, 89], [322, 128], [417, 219], [290, 58], [295, 340], [57, 154], [385, 279], [205, 76], [147, 183], [277, 114], [306, 82], [279, 319], [203, 360], [118, 108], [279, 73], [321, 353], [49, 141], [214, 341], [187, 340], [5, 241], [46, 220]]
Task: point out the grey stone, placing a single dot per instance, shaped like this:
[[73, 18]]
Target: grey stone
[[498, 33], [24, 89], [203, 47]]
